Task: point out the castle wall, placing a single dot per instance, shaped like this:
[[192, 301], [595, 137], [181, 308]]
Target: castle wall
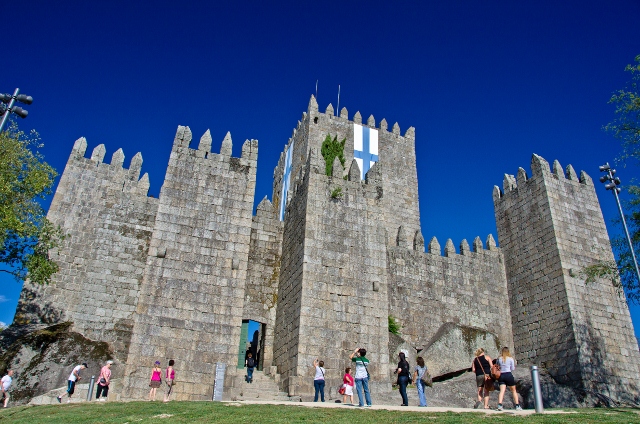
[[428, 290], [192, 298], [342, 299], [550, 227], [263, 273], [107, 218]]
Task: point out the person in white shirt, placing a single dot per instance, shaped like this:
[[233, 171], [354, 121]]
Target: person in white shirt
[[5, 384], [73, 379], [318, 380], [507, 364]]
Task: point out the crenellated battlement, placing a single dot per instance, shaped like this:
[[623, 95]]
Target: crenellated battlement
[[182, 141], [540, 169], [128, 179], [434, 248]]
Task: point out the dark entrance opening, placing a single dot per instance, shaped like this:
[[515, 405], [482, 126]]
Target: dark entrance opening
[[251, 340]]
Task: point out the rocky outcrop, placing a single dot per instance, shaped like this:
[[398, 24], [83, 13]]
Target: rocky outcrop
[[42, 358]]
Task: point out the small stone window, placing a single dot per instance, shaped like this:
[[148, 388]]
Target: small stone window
[[315, 120]]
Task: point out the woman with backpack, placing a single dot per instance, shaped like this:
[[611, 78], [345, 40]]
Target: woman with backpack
[[419, 372], [507, 364], [403, 378], [481, 365]]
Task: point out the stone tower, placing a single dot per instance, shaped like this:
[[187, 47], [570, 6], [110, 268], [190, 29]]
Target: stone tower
[[550, 226], [192, 298]]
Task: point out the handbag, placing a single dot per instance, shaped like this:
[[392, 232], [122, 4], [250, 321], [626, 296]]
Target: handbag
[[495, 370], [488, 381], [103, 381], [341, 390]]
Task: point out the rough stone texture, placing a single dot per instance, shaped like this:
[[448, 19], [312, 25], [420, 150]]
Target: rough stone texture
[[428, 291], [192, 299], [550, 227], [174, 277], [43, 357], [263, 274], [107, 218]]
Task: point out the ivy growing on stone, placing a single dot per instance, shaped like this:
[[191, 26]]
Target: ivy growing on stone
[[394, 327], [332, 148]]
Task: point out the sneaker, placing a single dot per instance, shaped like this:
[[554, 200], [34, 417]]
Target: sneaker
[[59, 399], [477, 405], [499, 408], [518, 408], [69, 401]]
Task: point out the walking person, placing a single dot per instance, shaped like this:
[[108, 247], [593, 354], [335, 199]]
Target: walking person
[[358, 357], [318, 380], [403, 377], [155, 381], [507, 365], [74, 377], [347, 383], [103, 382], [418, 373], [250, 363], [169, 378], [5, 384], [481, 365]]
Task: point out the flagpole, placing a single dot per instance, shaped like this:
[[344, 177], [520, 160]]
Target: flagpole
[[316, 90], [338, 108]]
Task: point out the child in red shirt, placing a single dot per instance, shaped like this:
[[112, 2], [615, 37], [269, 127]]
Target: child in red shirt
[[348, 384]]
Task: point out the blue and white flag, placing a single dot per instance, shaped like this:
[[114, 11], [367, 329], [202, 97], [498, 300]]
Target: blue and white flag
[[286, 178], [365, 147]]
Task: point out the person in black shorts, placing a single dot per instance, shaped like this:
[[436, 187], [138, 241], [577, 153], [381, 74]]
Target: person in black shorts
[[507, 365]]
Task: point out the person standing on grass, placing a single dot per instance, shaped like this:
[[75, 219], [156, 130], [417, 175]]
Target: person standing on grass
[[103, 382], [169, 377], [348, 383], [420, 369], [318, 380], [250, 364], [74, 377], [156, 380], [5, 384], [403, 377], [507, 365], [362, 375]]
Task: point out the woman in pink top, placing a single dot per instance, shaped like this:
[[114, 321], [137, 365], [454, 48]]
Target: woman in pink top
[[170, 375], [155, 381], [103, 382], [348, 383]]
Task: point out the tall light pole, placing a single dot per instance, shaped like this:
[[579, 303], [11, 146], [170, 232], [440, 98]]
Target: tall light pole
[[612, 183], [9, 100]]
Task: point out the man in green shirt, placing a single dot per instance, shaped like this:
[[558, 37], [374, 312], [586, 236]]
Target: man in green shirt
[[362, 375]]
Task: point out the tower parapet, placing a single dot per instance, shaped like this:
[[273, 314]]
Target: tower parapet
[[550, 226]]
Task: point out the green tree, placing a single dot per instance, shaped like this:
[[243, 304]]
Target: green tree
[[331, 148], [26, 236], [626, 128]]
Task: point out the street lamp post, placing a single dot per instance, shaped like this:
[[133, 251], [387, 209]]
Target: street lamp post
[[612, 183], [9, 100]]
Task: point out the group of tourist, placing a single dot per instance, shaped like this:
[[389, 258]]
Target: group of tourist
[[156, 380], [488, 373], [102, 389]]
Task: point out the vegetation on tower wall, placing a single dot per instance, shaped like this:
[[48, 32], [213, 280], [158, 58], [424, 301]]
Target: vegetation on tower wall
[[331, 148]]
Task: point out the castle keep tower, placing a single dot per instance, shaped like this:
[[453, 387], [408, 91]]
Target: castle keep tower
[[550, 226], [192, 298]]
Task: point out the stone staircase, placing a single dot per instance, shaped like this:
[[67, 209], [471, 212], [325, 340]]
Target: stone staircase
[[264, 387]]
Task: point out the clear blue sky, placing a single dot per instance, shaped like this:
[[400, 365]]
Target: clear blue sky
[[485, 84]]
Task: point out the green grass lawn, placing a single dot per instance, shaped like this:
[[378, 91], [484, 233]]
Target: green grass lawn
[[213, 412]]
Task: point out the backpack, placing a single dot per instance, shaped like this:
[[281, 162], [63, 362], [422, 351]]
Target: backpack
[[251, 363], [426, 378]]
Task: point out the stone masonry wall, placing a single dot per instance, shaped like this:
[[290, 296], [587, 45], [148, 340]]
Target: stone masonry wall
[[287, 330], [552, 227], [428, 290], [263, 273], [396, 156], [107, 217], [344, 299], [192, 298]]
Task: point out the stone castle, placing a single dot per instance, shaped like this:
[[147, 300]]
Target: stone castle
[[323, 267]]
